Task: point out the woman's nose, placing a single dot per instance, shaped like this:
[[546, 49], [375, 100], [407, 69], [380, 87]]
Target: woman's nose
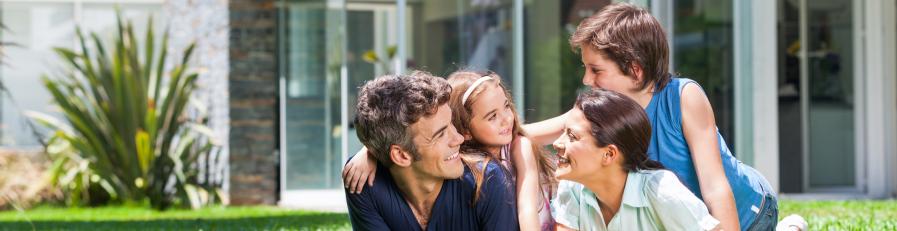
[[557, 144]]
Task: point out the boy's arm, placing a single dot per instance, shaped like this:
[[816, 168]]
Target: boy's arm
[[699, 128], [546, 131]]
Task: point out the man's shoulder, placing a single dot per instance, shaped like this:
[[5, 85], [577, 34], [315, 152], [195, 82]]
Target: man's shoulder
[[384, 185], [491, 170], [493, 177]]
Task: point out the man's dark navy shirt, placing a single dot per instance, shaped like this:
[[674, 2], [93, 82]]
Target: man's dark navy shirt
[[382, 206]]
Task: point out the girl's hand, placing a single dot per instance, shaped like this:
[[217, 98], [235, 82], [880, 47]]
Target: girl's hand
[[361, 167]]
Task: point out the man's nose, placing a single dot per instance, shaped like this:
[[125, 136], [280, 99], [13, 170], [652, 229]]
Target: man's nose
[[458, 138]]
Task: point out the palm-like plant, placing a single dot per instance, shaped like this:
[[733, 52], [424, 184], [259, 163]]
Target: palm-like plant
[[128, 136]]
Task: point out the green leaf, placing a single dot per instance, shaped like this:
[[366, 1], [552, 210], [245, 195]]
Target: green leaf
[[125, 132], [144, 150], [370, 56]]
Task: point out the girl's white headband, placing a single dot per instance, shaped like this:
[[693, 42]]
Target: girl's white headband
[[472, 87]]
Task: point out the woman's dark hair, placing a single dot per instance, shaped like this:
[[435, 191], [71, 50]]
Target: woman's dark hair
[[620, 121]]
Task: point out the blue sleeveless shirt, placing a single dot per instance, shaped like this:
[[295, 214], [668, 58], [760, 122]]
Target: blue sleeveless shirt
[[668, 146]]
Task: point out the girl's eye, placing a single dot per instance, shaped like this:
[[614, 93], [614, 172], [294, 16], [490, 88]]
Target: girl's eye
[[492, 117]]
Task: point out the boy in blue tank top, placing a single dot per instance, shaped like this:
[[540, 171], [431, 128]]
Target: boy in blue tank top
[[624, 49]]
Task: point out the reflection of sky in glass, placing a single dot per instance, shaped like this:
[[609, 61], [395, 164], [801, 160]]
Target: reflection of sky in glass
[[37, 28]]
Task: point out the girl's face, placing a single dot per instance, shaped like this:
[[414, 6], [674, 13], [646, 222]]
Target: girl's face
[[492, 121], [602, 72], [579, 157]]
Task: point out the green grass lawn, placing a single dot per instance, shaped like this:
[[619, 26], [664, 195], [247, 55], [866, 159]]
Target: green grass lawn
[[822, 215], [844, 215], [130, 218]]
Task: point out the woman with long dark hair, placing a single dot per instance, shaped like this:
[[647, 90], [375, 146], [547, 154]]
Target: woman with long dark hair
[[608, 181]]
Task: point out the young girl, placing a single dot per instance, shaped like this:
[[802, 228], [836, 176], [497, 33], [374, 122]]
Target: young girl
[[610, 183], [483, 113], [624, 49]]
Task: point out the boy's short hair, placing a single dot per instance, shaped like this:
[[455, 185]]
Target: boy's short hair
[[388, 105], [627, 34]]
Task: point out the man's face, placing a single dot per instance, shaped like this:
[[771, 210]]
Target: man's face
[[437, 143]]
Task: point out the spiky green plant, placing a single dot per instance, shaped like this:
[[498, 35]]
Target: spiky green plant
[[127, 136]]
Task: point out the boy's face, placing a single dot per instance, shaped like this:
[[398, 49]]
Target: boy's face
[[602, 72], [437, 143]]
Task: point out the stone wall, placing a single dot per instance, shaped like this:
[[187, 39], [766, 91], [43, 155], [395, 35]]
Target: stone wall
[[205, 23], [253, 91]]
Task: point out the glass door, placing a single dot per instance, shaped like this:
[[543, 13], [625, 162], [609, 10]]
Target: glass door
[[818, 113], [311, 61]]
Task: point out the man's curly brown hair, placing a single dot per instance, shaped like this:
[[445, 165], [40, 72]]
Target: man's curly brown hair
[[388, 105]]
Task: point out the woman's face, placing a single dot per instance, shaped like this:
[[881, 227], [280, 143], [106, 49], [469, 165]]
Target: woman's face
[[492, 121], [602, 72], [579, 157]]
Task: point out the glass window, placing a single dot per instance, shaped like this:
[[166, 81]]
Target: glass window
[[703, 51], [553, 71], [451, 35]]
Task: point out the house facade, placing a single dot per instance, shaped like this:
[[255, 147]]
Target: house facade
[[802, 90]]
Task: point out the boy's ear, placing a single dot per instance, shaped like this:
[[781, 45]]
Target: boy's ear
[[637, 72], [399, 156]]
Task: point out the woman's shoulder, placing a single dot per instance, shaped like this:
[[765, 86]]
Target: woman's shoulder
[[658, 179], [662, 183]]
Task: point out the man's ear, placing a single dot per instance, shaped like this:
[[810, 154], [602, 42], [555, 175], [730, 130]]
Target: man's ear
[[399, 156], [611, 154]]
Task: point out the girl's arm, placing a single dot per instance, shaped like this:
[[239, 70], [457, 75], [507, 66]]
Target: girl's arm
[[529, 191], [560, 227], [546, 131], [699, 127], [361, 167]]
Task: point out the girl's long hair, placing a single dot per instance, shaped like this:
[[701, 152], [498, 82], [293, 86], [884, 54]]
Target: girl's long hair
[[462, 114]]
